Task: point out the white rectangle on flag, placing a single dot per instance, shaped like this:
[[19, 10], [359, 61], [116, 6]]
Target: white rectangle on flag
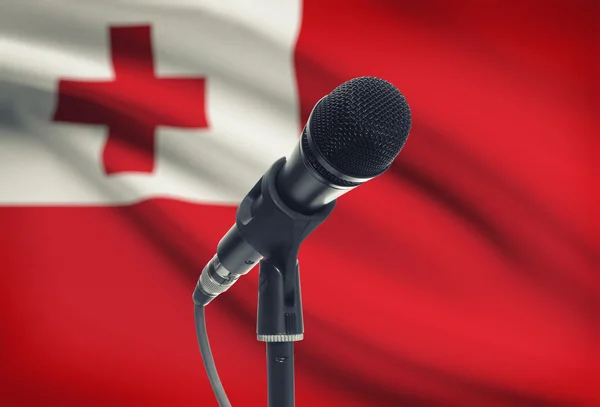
[[243, 50]]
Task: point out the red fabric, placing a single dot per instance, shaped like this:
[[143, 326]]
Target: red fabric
[[478, 245]]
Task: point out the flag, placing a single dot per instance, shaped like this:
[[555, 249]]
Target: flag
[[466, 275]]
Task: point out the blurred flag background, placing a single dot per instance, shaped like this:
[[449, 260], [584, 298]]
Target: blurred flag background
[[130, 130]]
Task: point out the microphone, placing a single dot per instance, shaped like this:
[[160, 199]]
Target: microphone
[[352, 136]]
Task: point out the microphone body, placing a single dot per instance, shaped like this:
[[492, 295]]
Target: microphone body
[[300, 187]]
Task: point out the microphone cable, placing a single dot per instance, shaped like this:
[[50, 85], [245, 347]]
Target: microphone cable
[[207, 357]]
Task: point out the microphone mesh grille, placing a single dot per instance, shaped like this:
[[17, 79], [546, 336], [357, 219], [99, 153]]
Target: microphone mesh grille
[[361, 126]]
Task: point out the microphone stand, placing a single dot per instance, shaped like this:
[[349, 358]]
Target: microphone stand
[[276, 231], [279, 324]]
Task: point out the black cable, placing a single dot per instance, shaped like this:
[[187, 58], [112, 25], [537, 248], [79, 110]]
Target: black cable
[[207, 358]]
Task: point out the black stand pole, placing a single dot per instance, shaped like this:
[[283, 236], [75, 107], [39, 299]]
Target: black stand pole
[[280, 373], [276, 231], [279, 324]]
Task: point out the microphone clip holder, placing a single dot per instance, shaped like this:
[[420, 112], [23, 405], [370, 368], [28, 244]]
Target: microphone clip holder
[[276, 231]]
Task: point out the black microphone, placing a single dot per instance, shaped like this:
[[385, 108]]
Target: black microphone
[[352, 135]]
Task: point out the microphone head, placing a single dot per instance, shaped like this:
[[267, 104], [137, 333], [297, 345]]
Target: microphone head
[[358, 130]]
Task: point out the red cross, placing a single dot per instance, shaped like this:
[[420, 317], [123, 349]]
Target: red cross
[[132, 104]]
